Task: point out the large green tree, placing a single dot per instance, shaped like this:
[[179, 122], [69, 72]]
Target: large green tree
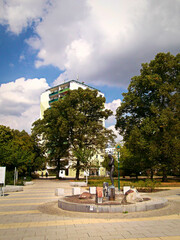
[[149, 116], [74, 125], [20, 150], [131, 163]]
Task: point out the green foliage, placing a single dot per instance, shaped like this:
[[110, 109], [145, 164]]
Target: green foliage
[[83, 156], [131, 163], [143, 185], [74, 124], [147, 185], [20, 150], [149, 116], [35, 175], [9, 178]]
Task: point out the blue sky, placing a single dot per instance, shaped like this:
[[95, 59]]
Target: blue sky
[[17, 60], [104, 42]]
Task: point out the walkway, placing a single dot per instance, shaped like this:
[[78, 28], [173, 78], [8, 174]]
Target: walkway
[[33, 215]]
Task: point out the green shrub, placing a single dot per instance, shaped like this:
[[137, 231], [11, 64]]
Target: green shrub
[[35, 175], [9, 178], [27, 178], [122, 184], [148, 185]]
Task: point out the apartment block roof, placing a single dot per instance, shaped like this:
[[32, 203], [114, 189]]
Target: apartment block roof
[[82, 83]]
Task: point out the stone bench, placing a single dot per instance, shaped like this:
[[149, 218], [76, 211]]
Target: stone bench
[[28, 183], [59, 191], [76, 191], [78, 184], [12, 188]]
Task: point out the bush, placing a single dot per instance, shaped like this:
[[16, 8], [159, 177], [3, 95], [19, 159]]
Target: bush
[[27, 178], [35, 175], [147, 185], [9, 178]]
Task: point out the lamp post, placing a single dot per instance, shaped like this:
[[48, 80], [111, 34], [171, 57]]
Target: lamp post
[[118, 149]]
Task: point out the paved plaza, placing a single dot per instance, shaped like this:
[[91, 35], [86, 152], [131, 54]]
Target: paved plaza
[[33, 214]]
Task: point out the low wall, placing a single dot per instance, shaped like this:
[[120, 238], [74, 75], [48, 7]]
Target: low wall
[[152, 204]]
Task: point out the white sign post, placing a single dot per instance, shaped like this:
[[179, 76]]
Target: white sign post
[[15, 176], [2, 178], [86, 174]]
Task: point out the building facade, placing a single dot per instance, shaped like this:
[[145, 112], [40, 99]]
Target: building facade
[[58, 92]]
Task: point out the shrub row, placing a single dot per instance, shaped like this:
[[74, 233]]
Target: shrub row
[[147, 185]]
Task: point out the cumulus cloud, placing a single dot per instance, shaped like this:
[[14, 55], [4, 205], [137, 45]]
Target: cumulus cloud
[[106, 41], [19, 14], [103, 41], [20, 102], [119, 138], [110, 123], [112, 106]]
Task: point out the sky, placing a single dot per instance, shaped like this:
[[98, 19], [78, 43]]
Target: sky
[[101, 42]]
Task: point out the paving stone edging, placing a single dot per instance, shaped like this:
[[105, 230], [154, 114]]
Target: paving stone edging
[[154, 203]]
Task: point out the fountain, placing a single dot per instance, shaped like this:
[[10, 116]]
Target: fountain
[[105, 199]]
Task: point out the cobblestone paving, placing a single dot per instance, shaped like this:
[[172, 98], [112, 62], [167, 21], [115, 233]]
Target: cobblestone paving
[[33, 214]]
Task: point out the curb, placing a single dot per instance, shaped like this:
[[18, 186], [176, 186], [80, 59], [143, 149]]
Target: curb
[[152, 204]]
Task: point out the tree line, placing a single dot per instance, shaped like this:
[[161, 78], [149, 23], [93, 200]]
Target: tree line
[[21, 150], [149, 118]]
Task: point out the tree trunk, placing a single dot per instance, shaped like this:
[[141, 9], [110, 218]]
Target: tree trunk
[[77, 170], [152, 174], [164, 179], [136, 176], [58, 168]]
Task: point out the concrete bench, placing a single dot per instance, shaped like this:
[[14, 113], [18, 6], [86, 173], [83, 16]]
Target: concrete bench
[[78, 184], [76, 191], [28, 183], [59, 191], [12, 188]]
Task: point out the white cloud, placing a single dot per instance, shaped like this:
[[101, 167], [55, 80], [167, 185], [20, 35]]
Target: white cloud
[[21, 58], [19, 14], [119, 138], [112, 106], [20, 102], [103, 41], [110, 123]]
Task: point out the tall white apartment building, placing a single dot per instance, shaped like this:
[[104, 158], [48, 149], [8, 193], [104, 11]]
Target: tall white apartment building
[[53, 94]]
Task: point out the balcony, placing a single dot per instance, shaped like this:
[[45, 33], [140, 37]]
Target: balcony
[[64, 90], [53, 93], [53, 100]]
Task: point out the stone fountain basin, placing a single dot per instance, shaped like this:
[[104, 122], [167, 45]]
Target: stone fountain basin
[[151, 204]]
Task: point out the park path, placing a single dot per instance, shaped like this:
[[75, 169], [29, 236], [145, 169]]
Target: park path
[[29, 215]]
